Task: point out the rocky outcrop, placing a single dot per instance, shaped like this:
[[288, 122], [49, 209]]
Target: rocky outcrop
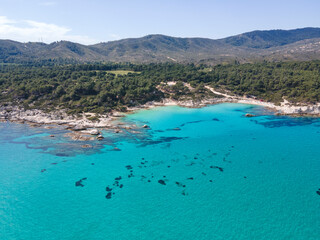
[[59, 117], [79, 128], [100, 137], [91, 131], [78, 136]]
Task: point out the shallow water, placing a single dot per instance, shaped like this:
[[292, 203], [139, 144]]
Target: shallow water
[[222, 176]]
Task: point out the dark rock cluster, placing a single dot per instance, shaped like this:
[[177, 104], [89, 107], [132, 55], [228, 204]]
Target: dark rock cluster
[[79, 183]]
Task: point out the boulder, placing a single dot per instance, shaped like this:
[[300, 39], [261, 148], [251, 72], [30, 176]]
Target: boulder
[[93, 131], [249, 115], [79, 128], [145, 126], [100, 137]]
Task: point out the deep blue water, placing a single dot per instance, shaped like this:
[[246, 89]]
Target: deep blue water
[[207, 173]]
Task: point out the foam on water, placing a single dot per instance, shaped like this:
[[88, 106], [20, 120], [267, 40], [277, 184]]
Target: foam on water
[[207, 173]]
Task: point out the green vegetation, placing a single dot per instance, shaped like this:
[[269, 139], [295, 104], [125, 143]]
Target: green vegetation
[[96, 87]]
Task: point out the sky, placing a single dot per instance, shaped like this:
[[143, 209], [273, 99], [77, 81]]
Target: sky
[[94, 21]]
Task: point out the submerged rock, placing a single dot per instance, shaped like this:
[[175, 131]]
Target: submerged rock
[[130, 175], [79, 183], [129, 167], [86, 146], [220, 168], [162, 182], [108, 196], [184, 193], [62, 155], [180, 184], [108, 189], [190, 164], [78, 136]]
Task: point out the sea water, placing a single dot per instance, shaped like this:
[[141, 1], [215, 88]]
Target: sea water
[[208, 173]]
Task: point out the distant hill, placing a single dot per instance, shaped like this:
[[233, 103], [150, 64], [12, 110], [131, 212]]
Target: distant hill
[[161, 48], [272, 38], [274, 45]]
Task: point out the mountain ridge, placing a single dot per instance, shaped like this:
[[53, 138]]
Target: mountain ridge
[[246, 47]]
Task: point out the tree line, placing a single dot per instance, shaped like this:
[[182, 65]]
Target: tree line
[[96, 88]]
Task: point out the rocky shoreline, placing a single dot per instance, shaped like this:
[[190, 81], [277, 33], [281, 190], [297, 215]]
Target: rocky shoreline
[[82, 122]]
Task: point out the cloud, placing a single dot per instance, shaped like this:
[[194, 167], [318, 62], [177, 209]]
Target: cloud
[[33, 31]]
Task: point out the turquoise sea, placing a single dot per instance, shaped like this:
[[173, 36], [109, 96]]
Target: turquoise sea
[[207, 173]]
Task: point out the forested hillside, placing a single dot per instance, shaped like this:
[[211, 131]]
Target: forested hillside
[[102, 87]]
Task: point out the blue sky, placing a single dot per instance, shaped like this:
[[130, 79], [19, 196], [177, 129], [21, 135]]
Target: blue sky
[[92, 21]]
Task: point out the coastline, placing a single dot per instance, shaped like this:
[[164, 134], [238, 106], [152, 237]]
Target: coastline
[[82, 122]]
